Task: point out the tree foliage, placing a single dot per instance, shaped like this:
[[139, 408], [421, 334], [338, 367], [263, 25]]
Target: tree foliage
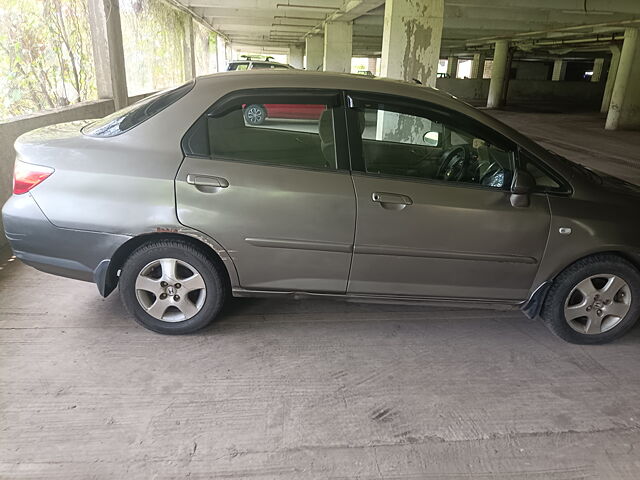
[[46, 58], [153, 36]]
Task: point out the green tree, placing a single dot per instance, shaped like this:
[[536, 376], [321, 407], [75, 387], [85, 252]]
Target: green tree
[[46, 59]]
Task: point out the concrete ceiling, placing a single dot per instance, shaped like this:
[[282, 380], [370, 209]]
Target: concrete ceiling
[[536, 25]]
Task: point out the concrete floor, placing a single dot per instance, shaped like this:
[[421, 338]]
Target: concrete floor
[[315, 389]]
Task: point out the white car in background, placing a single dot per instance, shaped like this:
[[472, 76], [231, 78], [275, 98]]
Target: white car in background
[[250, 64]]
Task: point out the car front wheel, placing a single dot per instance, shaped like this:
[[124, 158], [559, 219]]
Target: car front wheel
[[172, 287], [594, 301]]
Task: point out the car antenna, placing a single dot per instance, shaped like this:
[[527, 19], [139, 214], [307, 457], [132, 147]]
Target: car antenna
[[417, 81]]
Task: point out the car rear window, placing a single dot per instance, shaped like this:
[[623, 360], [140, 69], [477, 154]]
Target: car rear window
[[133, 115]]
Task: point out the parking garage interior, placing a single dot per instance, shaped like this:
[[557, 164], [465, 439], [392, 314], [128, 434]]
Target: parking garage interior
[[321, 389]]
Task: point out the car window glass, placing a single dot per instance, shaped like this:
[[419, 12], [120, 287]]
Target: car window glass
[[296, 135], [395, 143], [544, 181], [261, 66], [133, 115], [242, 66]]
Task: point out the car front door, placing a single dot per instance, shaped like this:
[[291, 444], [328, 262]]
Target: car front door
[[277, 196], [444, 226]]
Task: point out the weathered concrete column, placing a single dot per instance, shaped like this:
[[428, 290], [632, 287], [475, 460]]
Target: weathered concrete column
[[598, 67], [624, 111], [108, 53], [228, 52], [314, 50], [452, 66], [559, 70], [338, 44], [411, 40], [296, 56], [221, 54], [611, 78], [477, 67], [188, 49], [499, 75]]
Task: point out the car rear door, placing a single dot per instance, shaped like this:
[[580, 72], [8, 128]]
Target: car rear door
[[278, 196], [431, 232]]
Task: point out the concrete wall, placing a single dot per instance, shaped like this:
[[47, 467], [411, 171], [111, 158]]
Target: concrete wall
[[531, 70], [10, 130], [584, 94]]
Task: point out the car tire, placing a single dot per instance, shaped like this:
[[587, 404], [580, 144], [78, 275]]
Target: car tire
[[594, 301], [255, 114], [172, 287]]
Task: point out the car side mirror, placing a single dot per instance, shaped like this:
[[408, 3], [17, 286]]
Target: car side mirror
[[521, 188], [431, 139]]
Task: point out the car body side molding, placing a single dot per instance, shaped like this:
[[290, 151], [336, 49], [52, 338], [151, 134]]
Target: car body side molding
[[425, 253]]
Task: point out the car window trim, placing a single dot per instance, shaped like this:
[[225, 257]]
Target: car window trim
[[333, 98]]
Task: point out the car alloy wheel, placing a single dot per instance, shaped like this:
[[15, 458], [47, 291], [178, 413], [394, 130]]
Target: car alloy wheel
[[170, 290], [597, 304], [254, 114]]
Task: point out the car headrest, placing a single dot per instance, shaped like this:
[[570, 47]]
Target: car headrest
[[325, 127], [230, 121], [361, 121]]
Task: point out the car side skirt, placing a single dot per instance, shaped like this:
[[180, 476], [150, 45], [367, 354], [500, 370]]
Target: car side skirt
[[490, 304]]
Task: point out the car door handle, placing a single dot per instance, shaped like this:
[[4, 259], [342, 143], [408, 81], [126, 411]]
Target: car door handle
[[207, 181], [391, 199]]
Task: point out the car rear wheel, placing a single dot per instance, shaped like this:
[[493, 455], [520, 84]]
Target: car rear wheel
[[255, 114], [172, 287], [594, 301]]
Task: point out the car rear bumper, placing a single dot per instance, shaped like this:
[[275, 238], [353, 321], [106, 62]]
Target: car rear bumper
[[77, 254]]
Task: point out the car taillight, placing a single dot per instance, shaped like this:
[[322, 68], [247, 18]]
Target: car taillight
[[26, 176]]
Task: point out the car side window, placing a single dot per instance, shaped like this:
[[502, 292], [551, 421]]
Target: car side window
[[288, 134], [545, 182], [418, 146]]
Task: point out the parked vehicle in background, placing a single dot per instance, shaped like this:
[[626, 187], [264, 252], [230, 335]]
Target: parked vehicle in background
[[386, 192], [256, 114], [250, 63]]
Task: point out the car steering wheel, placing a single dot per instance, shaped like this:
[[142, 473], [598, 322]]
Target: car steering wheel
[[454, 164]]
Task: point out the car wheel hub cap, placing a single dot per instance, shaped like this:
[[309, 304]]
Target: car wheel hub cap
[[254, 115], [170, 290], [597, 304]]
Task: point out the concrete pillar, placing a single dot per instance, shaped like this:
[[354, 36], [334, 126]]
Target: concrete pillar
[[598, 67], [624, 111], [477, 67], [314, 51], [499, 75], [221, 54], [452, 66], [108, 53], [338, 45], [559, 70], [296, 56], [411, 40], [228, 52], [611, 78], [188, 49]]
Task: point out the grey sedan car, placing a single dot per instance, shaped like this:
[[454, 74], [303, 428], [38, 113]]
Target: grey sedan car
[[379, 191]]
